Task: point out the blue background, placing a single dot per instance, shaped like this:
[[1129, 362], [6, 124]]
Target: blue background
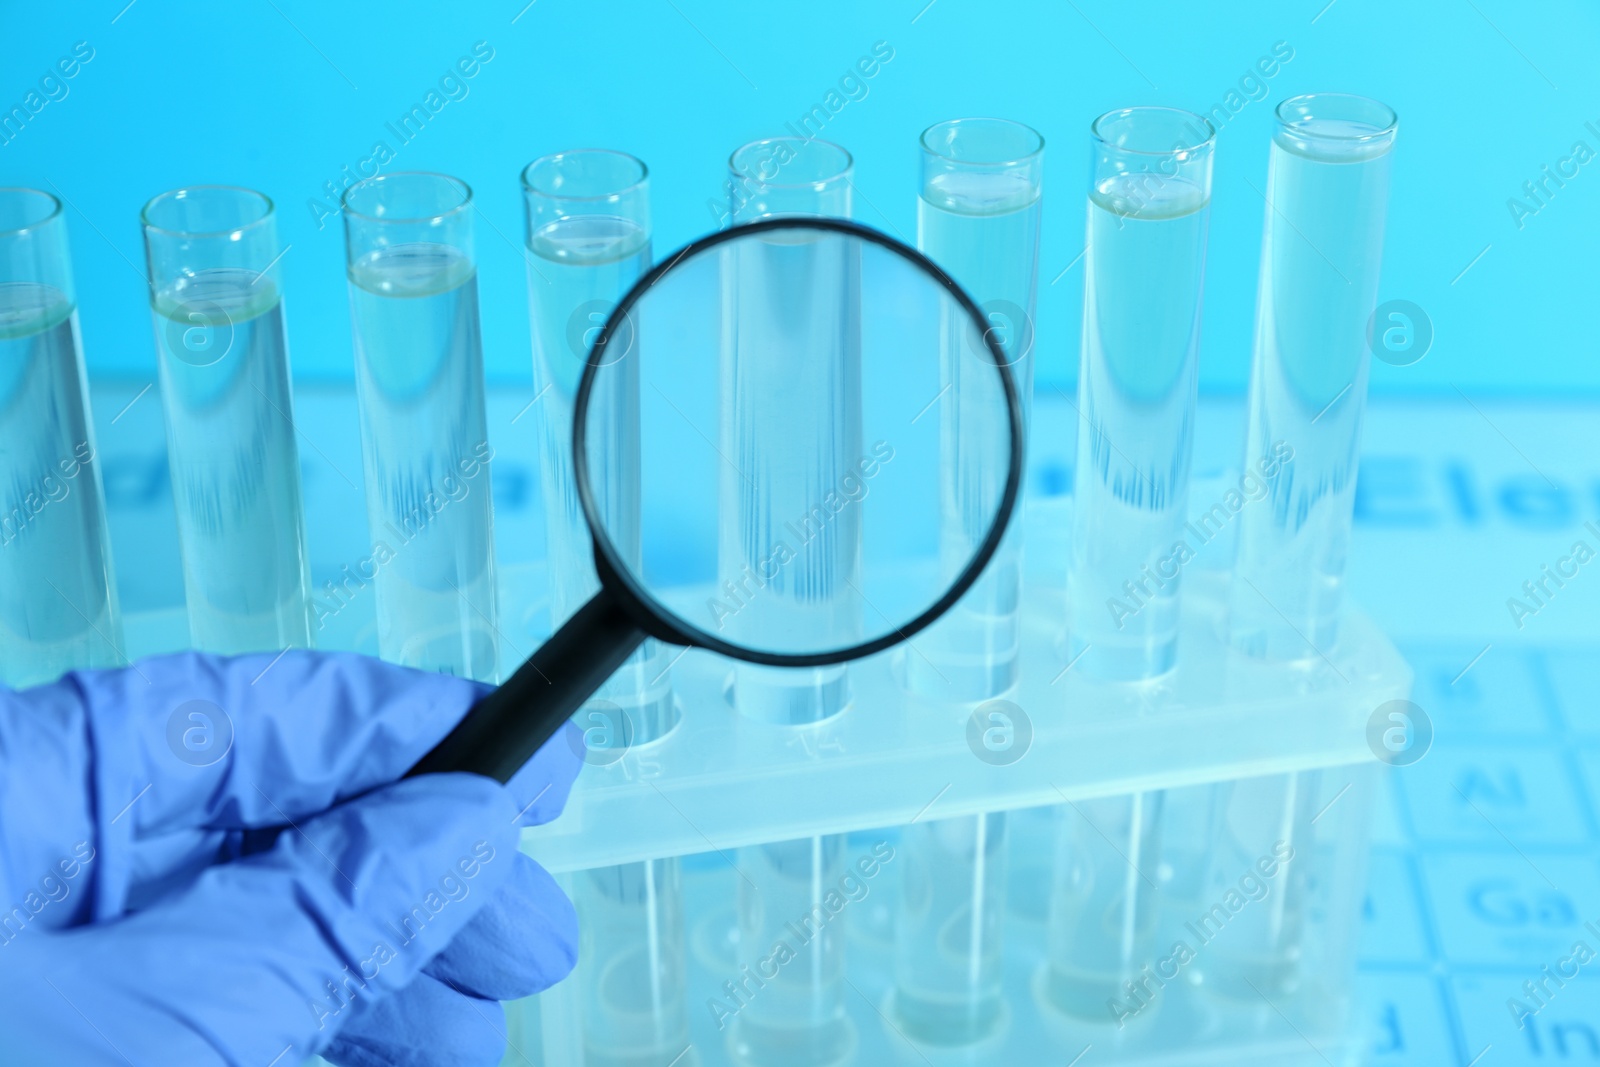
[[280, 94]]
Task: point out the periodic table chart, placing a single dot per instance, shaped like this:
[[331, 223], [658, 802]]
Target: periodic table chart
[[1485, 869]]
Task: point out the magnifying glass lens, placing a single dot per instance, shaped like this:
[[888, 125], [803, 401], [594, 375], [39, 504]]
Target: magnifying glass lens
[[796, 442]]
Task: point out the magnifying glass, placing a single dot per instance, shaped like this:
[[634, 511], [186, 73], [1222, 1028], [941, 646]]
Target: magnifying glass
[[796, 443]]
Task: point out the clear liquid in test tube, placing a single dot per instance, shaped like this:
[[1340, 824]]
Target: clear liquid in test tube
[[224, 363], [1104, 908], [804, 289], [791, 329], [1263, 841], [631, 964], [949, 929], [1149, 206], [793, 1008], [1328, 191], [588, 236], [978, 218], [58, 596], [425, 447]]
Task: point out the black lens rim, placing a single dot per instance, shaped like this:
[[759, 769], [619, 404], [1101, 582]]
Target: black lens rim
[[654, 617]]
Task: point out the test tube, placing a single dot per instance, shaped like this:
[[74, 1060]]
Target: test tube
[[1188, 815], [1104, 906], [588, 238], [58, 598], [1327, 199], [1262, 852], [216, 301], [978, 217], [632, 964], [789, 989], [1144, 265], [804, 291], [793, 297], [948, 965], [424, 442]]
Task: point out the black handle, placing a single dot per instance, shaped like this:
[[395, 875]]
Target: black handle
[[505, 728]]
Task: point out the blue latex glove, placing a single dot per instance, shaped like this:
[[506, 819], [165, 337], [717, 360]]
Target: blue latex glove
[[176, 892]]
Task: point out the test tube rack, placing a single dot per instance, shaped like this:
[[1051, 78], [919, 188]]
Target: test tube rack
[[718, 782]]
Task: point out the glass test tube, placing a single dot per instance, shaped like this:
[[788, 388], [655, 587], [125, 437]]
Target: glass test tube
[[424, 441], [1104, 907], [792, 1011], [1188, 816], [1327, 195], [58, 597], [1149, 206], [1262, 845], [978, 217], [948, 963], [805, 292], [216, 302], [633, 964], [588, 238]]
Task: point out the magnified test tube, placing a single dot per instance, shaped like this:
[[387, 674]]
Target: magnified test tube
[[424, 442], [588, 236], [1149, 207], [1328, 195], [802, 292], [978, 218], [58, 598], [215, 299]]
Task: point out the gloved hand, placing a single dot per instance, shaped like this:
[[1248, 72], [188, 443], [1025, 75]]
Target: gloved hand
[[208, 860]]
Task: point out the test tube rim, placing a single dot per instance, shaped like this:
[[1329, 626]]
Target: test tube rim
[[1026, 157], [55, 213], [1201, 146], [266, 216], [645, 608], [593, 198], [438, 216], [843, 174], [1386, 131]]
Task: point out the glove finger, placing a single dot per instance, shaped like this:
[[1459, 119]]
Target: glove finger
[[524, 941], [427, 1024], [191, 744], [212, 731], [265, 957]]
